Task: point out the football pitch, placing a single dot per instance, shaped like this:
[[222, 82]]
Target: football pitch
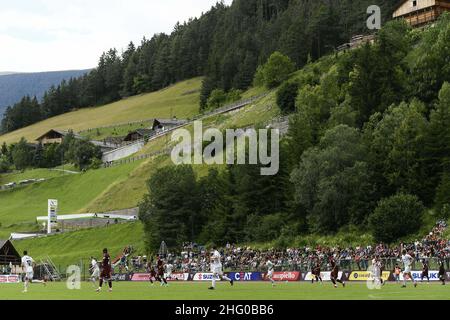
[[241, 291]]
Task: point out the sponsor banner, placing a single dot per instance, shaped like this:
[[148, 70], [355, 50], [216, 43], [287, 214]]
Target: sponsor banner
[[417, 275], [245, 276], [285, 276], [9, 279], [326, 276], [204, 277], [367, 275], [146, 277], [179, 276], [122, 277]]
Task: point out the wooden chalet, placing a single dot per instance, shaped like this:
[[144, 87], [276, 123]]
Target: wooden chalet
[[139, 134], [167, 124], [419, 13], [55, 136]]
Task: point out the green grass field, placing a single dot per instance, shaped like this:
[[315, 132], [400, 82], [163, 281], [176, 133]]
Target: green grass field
[[241, 291]]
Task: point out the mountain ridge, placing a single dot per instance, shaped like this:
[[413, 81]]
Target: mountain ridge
[[15, 85]]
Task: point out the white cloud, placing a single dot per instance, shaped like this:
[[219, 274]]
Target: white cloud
[[47, 35]]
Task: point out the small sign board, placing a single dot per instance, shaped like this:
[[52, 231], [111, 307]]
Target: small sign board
[[52, 214]]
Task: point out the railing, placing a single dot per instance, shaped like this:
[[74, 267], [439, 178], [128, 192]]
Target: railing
[[136, 158]]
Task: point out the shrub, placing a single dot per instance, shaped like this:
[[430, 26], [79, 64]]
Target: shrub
[[217, 99], [4, 164], [396, 217], [265, 228], [276, 70], [286, 96]]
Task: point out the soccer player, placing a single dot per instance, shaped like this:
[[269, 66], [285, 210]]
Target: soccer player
[[27, 265], [95, 270], [316, 273], [270, 270], [407, 274], [335, 274], [123, 264], [425, 271], [106, 271], [442, 272], [377, 271], [216, 269], [160, 267], [152, 272], [169, 270]]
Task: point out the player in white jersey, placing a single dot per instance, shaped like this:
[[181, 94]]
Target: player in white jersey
[[169, 270], [95, 270], [376, 271], [216, 269], [27, 266], [270, 271], [407, 263]]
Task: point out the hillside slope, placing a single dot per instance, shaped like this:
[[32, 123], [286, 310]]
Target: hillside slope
[[14, 86], [180, 100], [74, 192], [81, 245]]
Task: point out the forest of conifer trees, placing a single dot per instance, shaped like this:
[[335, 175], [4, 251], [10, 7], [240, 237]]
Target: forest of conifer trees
[[225, 45]]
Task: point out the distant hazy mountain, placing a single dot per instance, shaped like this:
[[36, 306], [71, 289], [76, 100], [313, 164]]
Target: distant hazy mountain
[[4, 73], [13, 86]]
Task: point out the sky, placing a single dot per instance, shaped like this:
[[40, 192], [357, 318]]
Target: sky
[[53, 35]]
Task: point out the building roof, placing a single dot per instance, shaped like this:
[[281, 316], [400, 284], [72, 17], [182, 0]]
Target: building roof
[[2, 243], [174, 122], [8, 253], [141, 132], [62, 133]]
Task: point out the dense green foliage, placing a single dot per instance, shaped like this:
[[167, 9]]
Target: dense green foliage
[[226, 44], [276, 70], [170, 210], [286, 96], [23, 155], [218, 98], [364, 142], [223, 206], [396, 217]]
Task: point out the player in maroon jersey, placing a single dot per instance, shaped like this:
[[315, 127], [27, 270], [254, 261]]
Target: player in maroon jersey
[[335, 273], [152, 272], [425, 271], [106, 271], [160, 267], [316, 273], [442, 272]]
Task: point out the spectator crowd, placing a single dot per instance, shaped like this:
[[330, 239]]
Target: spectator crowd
[[194, 258]]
